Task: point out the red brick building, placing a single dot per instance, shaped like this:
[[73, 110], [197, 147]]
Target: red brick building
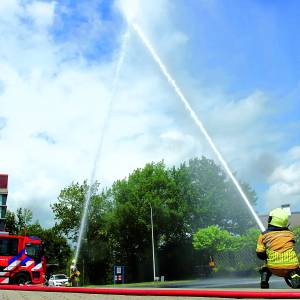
[[3, 199]]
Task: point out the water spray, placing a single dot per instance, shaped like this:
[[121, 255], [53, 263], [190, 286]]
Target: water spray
[[88, 194], [200, 125]]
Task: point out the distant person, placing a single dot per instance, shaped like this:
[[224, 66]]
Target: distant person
[[74, 274], [211, 266], [211, 263], [276, 247]]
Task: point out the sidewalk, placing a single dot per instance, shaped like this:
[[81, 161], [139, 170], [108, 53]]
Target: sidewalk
[[22, 295], [39, 295]]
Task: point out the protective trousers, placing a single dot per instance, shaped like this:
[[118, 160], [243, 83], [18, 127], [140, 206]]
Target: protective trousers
[[292, 277]]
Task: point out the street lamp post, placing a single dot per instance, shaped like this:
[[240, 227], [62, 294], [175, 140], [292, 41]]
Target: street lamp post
[[153, 254]]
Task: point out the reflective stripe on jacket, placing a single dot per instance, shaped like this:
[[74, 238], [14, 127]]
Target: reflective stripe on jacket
[[279, 247]]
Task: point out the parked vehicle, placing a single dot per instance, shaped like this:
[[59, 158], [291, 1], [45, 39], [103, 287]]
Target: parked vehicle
[[58, 280]]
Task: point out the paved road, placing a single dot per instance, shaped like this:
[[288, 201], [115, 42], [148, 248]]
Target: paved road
[[275, 283], [26, 295], [20, 295], [231, 283]]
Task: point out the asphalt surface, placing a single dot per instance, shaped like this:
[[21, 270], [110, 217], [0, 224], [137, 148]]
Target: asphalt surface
[[18, 295], [276, 284]]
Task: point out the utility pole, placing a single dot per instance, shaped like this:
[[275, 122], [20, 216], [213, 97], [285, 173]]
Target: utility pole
[[83, 279], [154, 273]]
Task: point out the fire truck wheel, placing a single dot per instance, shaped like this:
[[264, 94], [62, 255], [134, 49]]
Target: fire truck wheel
[[21, 278]]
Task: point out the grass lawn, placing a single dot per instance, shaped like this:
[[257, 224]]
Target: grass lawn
[[149, 284]]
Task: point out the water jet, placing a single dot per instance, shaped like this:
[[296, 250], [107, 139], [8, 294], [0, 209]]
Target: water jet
[[195, 118]]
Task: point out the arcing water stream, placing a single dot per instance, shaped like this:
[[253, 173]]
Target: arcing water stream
[[172, 82], [188, 107], [100, 144]]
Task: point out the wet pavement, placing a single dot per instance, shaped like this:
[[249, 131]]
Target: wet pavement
[[277, 284], [29, 295]]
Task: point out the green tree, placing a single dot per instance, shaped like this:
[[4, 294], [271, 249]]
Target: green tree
[[296, 231], [68, 210], [194, 195], [244, 258], [129, 221], [232, 252], [57, 249], [94, 256], [214, 239], [248, 240], [11, 224], [212, 198], [16, 223]]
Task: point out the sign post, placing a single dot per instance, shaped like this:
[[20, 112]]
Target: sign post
[[119, 274]]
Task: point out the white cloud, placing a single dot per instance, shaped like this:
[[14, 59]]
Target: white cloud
[[294, 153], [42, 13], [8, 8], [284, 182], [287, 173], [54, 107]]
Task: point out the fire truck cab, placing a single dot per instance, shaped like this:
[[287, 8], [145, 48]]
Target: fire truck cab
[[21, 260], [21, 257]]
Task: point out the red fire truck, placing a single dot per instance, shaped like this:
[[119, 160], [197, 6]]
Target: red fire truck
[[21, 257], [21, 260]]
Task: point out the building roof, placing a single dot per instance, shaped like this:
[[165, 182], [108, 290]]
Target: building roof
[[294, 219]]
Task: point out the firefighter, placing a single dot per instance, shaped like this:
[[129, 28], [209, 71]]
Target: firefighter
[[211, 266], [276, 247], [74, 274], [211, 263]]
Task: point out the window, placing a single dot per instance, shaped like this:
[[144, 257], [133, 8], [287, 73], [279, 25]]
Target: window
[[57, 277], [3, 199], [8, 247], [2, 212], [33, 250]]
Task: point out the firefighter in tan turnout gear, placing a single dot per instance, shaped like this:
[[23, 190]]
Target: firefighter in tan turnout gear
[[276, 247], [74, 274]]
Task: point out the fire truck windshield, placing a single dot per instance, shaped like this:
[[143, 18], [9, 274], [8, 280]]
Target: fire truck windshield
[[33, 250]]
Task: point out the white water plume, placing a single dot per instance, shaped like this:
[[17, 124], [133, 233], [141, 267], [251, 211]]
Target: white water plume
[[188, 107], [129, 8], [101, 140]]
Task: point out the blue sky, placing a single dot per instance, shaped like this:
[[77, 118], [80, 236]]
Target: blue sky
[[237, 62], [254, 41]]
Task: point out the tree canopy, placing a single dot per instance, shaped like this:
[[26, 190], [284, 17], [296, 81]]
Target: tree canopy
[[56, 246], [184, 199]]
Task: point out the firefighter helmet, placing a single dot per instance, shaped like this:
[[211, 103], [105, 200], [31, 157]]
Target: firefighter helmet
[[278, 217]]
